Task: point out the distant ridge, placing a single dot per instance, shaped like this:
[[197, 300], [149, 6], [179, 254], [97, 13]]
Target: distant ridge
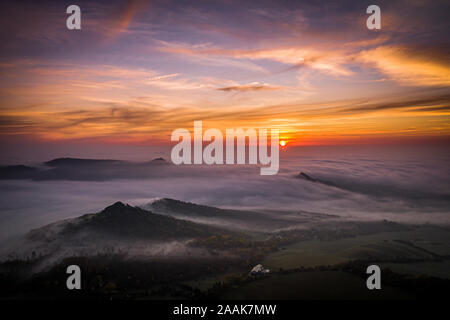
[[307, 177], [17, 172], [188, 208], [230, 218], [79, 169], [77, 162]]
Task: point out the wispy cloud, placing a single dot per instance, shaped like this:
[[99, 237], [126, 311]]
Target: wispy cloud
[[407, 66], [325, 61], [141, 120], [254, 86]]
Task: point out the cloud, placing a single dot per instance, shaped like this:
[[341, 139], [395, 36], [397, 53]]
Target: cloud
[[331, 62], [408, 66], [163, 77], [142, 119], [430, 104], [254, 86], [123, 19], [202, 54]]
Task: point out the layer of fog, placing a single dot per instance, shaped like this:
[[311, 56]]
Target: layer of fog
[[407, 187], [47, 255]]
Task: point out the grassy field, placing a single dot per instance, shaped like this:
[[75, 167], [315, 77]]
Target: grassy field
[[421, 243], [312, 285]]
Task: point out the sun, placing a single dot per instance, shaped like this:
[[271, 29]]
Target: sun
[[282, 143]]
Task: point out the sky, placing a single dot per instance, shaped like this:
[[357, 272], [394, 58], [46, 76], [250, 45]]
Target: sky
[[137, 70]]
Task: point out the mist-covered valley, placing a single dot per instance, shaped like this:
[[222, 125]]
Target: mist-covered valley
[[209, 225], [400, 185]]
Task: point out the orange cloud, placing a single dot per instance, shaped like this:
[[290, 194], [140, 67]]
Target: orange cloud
[[140, 120], [125, 19], [254, 86], [407, 66]]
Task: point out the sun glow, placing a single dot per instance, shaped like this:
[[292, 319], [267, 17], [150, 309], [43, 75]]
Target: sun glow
[[282, 143]]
